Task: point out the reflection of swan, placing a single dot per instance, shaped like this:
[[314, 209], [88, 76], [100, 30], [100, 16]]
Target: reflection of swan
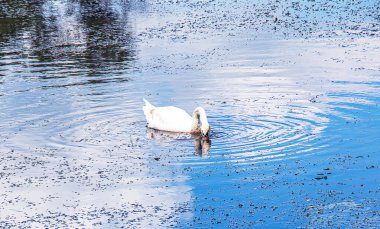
[[202, 146], [174, 119], [168, 136]]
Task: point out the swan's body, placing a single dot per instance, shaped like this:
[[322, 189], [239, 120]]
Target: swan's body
[[175, 119]]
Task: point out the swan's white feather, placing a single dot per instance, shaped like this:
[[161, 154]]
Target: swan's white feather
[[167, 118]]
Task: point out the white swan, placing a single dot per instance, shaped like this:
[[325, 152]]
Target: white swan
[[175, 119]]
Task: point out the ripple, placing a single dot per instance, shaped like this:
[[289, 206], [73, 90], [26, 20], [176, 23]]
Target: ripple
[[259, 138]]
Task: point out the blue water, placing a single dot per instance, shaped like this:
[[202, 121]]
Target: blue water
[[291, 91], [334, 186]]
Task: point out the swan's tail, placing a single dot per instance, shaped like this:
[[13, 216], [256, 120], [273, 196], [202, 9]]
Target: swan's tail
[[148, 110]]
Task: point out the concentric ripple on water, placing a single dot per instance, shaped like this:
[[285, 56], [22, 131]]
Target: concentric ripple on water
[[248, 138]]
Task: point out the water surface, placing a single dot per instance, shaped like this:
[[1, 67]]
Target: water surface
[[291, 91]]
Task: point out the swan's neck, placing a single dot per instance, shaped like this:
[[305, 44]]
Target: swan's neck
[[199, 119]]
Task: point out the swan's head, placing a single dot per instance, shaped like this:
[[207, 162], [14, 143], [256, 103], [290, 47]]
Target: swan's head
[[205, 129], [199, 117]]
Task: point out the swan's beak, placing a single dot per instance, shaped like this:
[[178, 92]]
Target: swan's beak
[[204, 132], [204, 136]]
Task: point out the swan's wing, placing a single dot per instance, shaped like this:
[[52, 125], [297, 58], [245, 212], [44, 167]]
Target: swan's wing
[[148, 109], [147, 103], [170, 119]]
